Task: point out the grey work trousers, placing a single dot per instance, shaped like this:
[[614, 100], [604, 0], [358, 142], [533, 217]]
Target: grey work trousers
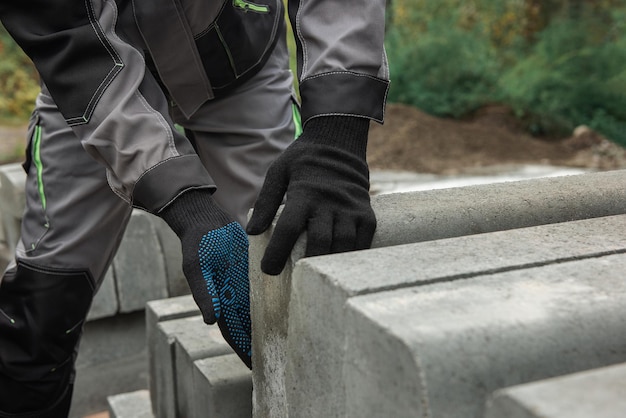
[[73, 224]]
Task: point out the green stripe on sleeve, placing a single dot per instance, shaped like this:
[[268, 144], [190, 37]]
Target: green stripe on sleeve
[[38, 164]]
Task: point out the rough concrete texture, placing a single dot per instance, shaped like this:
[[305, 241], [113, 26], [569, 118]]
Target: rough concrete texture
[[173, 362], [163, 369], [105, 302], [156, 312], [139, 265], [414, 217], [130, 405], [597, 393], [223, 386], [112, 359], [436, 214], [440, 350], [323, 297], [194, 340], [269, 302]]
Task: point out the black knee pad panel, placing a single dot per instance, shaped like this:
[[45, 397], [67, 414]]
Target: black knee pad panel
[[42, 312]]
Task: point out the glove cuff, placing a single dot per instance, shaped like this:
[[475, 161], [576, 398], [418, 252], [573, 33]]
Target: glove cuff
[[346, 132], [192, 209]]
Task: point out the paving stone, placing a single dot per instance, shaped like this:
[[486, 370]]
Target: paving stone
[[440, 350], [130, 405], [194, 340], [139, 267], [423, 216], [160, 344], [323, 295], [597, 393], [12, 202], [105, 302], [223, 388]]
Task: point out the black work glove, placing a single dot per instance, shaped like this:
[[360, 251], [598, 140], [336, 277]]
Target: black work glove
[[325, 177], [215, 263]]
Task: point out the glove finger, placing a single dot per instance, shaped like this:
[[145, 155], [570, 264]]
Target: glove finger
[[203, 290], [344, 235], [269, 200], [289, 226], [365, 233], [319, 234], [233, 288]]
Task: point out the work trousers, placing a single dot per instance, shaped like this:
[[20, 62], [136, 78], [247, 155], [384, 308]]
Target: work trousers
[[73, 224]]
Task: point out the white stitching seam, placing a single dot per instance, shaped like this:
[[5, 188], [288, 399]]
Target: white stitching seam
[[109, 77]]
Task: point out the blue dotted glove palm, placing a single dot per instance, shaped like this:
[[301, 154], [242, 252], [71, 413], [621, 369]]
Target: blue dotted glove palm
[[215, 263]]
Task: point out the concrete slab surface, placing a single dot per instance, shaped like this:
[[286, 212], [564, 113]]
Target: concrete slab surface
[[596, 393]]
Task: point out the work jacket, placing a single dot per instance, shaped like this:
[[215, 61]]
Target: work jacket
[[92, 56]]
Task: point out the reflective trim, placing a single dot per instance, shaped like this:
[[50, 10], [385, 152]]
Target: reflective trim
[[39, 164], [297, 120]]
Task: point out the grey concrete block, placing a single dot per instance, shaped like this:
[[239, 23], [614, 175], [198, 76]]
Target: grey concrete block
[[223, 388], [173, 258], [269, 302], [161, 355], [139, 267], [112, 359], [597, 393], [441, 350], [12, 202], [424, 216], [130, 405], [105, 302], [12, 197], [316, 320], [171, 377], [193, 340], [435, 214]]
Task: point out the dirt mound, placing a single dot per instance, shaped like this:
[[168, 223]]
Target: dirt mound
[[412, 140]]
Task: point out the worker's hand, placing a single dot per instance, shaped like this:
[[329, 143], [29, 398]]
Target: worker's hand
[[325, 178], [215, 263]]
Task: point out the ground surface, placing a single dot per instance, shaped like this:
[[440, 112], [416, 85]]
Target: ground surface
[[411, 140]]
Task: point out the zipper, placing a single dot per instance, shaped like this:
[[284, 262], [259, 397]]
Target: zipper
[[246, 5]]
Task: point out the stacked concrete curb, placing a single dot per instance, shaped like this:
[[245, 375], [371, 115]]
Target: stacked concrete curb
[[469, 300], [193, 371], [596, 393], [302, 366]]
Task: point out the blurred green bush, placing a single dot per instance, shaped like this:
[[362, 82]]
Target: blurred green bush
[[19, 83], [557, 63]]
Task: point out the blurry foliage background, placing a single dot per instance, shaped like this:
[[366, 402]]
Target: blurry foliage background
[[557, 63], [19, 83]]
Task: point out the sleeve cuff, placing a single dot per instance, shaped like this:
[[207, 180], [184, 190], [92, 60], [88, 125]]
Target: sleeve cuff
[[160, 185], [343, 94]]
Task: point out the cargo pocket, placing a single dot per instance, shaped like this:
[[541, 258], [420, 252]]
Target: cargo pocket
[[35, 223], [42, 312]]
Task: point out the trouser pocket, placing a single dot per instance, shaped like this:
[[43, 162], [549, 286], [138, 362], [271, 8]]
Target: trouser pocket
[[42, 312], [35, 223]]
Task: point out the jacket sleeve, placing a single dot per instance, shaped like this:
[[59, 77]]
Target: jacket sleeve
[[100, 85], [342, 65]]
